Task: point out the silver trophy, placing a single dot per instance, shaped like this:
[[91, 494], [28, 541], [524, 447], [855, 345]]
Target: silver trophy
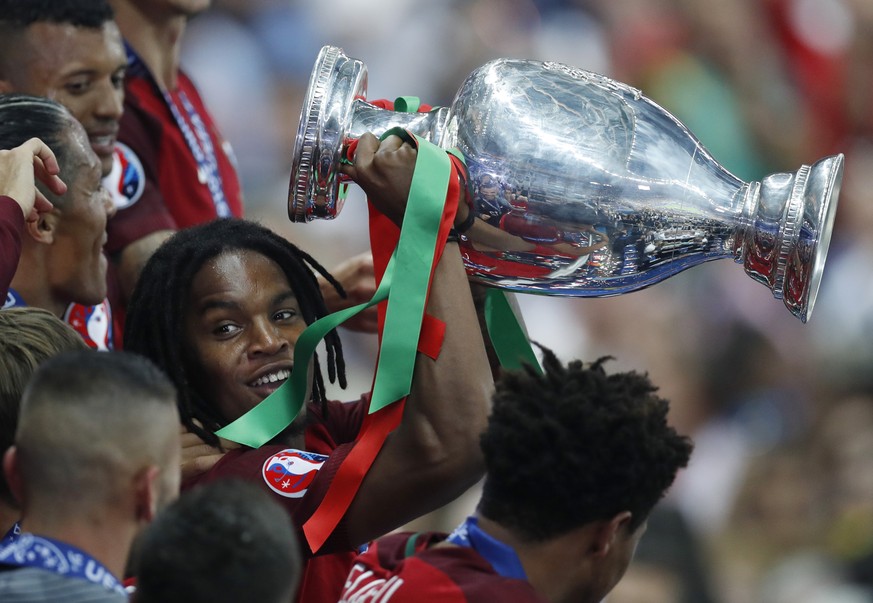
[[581, 186]]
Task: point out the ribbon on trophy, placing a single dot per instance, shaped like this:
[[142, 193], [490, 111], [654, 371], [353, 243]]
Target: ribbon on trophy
[[404, 328]]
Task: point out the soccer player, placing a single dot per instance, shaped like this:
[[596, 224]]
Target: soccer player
[[96, 456], [220, 307], [575, 460], [62, 260]]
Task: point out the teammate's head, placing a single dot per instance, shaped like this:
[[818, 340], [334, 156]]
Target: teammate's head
[[28, 337], [227, 541], [70, 51], [219, 307], [97, 436], [576, 446], [66, 243]]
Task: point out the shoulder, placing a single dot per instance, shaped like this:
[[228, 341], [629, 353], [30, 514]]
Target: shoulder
[[31, 585]]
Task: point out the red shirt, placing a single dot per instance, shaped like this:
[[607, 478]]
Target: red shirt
[[11, 226], [390, 573], [160, 184], [298, 480]]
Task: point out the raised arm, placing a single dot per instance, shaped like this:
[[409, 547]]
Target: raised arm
[[434, 455]]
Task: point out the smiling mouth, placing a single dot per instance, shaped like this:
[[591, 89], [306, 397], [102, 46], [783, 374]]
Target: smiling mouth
[[274, 377]]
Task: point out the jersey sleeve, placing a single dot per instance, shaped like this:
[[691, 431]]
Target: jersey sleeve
[[11, 226]]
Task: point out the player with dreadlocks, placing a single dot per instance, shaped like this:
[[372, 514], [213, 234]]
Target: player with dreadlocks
[[575, 461], [220, 307], [162, 303]]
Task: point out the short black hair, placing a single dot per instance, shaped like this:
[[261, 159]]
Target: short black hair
[[23, 117], [81, 13], [575, 445], [157, 308], [226, 541]]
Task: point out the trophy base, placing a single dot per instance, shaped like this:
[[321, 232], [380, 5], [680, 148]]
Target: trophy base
[[325, 119], [790, 232]]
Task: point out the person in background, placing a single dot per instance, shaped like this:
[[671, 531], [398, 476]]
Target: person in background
[[225, 542], [20, 199], [86, 490], [62, 260], [71, 51], [575, 461], [28, 337]]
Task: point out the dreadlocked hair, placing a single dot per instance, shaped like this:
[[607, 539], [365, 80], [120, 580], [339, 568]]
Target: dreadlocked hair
[[575, 445], [155, 317]]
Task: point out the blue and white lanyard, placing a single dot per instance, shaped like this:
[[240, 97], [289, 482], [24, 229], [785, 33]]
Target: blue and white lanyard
[[28, 550], [13, 534], [198, 139], [501, 556], [200, 143]]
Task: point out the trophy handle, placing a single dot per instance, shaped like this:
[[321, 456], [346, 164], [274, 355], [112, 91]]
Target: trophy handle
[[325, 119]]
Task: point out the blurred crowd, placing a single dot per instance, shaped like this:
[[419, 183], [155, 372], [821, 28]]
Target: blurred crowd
[[777, 503]]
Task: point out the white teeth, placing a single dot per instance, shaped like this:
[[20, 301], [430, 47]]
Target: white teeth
[[279, 375], [102, 140]]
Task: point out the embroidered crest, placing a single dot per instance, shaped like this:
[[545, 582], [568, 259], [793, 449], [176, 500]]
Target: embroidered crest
[[290, 472], [126, 181]]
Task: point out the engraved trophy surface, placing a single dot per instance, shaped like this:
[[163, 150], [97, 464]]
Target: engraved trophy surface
[[581, 185]]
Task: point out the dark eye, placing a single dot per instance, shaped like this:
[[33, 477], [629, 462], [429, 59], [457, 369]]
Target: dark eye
[[285, 315], [78, 86], [225, 329], [118, 80]]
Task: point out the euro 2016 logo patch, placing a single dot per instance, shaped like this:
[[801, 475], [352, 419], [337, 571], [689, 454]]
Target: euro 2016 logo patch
[[126, 181], [290, 472]]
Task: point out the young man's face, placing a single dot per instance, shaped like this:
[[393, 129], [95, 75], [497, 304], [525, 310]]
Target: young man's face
[[81, 68], [241, 324]]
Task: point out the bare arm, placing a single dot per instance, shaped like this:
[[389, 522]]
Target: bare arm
[[434, 455], [133, 258], [357, 279]]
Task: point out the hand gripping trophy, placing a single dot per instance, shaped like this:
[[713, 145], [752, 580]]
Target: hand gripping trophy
[[581, 185]]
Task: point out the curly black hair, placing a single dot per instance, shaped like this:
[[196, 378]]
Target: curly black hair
[[158, 305], [81, 13], [575, 445]]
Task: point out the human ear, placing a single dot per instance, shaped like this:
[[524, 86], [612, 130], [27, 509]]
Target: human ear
[[146, 494], [43, 229], [607, 532], [13, 477]]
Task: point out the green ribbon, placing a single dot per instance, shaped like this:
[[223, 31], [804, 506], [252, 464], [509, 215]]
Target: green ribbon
[[407, 296], [413, 258], [508, 338]]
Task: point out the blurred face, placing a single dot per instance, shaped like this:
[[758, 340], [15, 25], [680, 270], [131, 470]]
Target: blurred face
[[76, 265], [242, 322], [81, 68]]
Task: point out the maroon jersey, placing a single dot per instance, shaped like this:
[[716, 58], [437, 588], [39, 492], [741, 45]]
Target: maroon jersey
[[11, 227], [298, 480], [411, 568], [173, 168]]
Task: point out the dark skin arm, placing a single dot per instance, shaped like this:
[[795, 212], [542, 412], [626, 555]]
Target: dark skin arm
[[433, 456]]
